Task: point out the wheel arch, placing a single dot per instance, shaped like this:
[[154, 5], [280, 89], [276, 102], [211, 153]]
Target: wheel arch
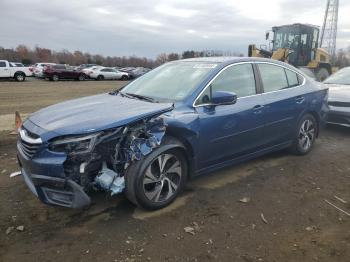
[[19, 72], [185, 146]]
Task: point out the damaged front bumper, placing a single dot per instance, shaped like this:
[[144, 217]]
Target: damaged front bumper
[[52, 190], [59, 177]]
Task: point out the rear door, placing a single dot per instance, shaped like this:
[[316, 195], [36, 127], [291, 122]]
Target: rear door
[[230, 131], [283, 102]]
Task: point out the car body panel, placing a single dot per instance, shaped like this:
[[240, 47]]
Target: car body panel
[[96, 113]]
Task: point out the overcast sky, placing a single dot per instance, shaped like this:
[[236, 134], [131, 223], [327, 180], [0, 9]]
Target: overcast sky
[[147, 28]]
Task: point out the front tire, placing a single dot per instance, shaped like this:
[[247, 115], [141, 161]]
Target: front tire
[[124, 78], [55, 78], [305, 136], [157, 179], [100, 78]]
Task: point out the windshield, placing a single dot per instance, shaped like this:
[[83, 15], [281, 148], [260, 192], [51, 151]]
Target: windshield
[[171, 81], [342, 77]]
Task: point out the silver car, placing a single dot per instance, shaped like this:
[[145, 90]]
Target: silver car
[[339, 97], [105, 73]]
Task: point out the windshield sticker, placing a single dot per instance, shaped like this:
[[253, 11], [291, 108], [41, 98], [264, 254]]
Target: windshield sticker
[[205, 66]]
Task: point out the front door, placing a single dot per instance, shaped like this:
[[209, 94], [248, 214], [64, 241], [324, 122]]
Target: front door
[[229, 131], [4, 70]]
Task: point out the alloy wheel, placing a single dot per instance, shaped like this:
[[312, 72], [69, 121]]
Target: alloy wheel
[[306, 134], [162, 178]]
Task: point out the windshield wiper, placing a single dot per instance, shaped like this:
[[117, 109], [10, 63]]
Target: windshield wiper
[[142, 97]]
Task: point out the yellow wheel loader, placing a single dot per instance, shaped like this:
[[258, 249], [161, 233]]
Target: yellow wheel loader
[[297, 44]]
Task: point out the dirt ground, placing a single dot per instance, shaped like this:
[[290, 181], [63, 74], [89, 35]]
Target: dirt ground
[[284, 217]]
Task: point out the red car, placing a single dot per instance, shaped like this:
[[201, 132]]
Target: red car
[[57, 72]]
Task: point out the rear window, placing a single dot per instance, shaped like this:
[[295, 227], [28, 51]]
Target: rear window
[[273, 77], [292, 78]]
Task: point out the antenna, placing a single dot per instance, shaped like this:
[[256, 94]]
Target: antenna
[[329, 28]]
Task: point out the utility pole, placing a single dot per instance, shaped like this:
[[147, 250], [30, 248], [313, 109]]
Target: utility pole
[[329, 29]]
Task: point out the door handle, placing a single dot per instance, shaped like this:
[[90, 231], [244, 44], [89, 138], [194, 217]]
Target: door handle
[[258, 109], [299, 99]]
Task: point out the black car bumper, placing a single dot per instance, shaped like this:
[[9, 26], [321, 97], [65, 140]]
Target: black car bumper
[[56, 191], [339, 116]]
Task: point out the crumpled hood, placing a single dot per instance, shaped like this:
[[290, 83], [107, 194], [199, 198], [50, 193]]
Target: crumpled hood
[[339, 93], [95, 113]]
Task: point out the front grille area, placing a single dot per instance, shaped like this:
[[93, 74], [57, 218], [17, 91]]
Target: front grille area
[[28, 149], [28, 143], [339, 104]]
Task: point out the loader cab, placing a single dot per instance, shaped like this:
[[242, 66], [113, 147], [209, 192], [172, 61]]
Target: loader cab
[[302, 39]]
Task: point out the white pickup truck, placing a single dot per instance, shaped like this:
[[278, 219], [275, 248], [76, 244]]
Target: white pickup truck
[[9, 70]]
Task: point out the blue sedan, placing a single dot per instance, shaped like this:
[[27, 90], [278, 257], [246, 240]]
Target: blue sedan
[[182, 119]]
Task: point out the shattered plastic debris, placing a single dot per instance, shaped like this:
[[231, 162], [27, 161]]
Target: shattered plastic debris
[[189, 230], [14, 174], [110, 180], [245, 200], [20, 228]]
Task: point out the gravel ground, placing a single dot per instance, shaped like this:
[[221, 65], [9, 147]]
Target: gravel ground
[[283, 215]]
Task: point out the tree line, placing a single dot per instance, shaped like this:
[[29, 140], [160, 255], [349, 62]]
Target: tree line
[[37, 54]]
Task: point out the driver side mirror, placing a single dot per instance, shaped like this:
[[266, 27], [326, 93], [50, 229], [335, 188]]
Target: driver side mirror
[[223, 98]]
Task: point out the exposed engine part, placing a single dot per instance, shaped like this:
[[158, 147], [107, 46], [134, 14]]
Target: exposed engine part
[[116, 149], [109, 180]]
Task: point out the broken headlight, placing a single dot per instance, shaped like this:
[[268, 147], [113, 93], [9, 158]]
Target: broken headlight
[[75, 144]]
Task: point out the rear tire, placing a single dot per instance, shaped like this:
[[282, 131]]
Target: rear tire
[[20, 77], [81, 78], [321, 74], [100, 78], [151, 186], [305, 135]]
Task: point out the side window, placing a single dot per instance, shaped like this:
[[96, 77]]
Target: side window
[[104, 70], [2, 64], [292, 78], [273, 77], [238, 79]]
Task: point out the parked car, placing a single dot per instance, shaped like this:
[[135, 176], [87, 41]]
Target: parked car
[[182, 119], [7, 70], [339, 97], [127, 69], [83, 66], [106, 73], [57, 72], [15, 64], [137, 72], [28, 69], [39, 68]]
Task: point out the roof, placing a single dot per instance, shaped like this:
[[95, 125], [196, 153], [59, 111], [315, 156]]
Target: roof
[[297, 24], [227, 59]]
